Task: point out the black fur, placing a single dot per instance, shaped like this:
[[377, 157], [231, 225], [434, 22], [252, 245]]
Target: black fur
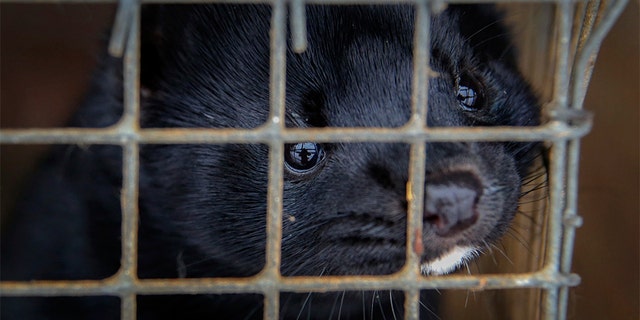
[[203, 206]]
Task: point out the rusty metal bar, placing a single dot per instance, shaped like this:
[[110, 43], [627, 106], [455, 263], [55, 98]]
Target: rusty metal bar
[[121, 26], [131, 161], [298, 23], [421, 69], [582, 71], [277, 91], [585, 60], [557, 201], [564, 22], [549, 131], [571, 220], [259, 283], [564, 13], [581, 75], [129, 124], [415, 185]]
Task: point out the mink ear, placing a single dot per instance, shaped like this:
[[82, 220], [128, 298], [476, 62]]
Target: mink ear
[[482, 26]]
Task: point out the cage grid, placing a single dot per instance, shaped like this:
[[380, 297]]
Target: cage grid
[[566, 125]]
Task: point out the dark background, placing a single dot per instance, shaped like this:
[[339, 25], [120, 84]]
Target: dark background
[[48, 52]]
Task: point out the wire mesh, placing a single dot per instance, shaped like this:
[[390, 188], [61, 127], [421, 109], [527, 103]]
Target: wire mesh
[[568, 123]]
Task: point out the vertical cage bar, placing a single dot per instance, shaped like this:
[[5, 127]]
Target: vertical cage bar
[[583, 68], [415, 185], [412, 304], [421, 69], [128, 306], [120, 29], [415, 247], [557, 179], [571, 220], [128, 270], [274, 228], [585, 61], [277, 65], [131, 114], [590, 42], [277, 87], [585, 19], [130, 176], [130, 152], [298, 26], [587, 15], [564, 12]]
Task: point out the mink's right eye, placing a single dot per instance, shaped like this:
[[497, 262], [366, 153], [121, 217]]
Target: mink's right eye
[[470, 92], [303, 157]]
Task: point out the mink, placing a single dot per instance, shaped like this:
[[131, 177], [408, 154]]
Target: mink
[[203, 206]]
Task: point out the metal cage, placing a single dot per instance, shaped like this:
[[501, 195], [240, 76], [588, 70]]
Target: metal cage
[[578, 30]]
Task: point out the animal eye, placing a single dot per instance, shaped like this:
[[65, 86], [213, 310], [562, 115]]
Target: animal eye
[[469, 92], [304, 156]]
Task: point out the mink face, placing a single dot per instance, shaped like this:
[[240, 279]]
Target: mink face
[[344, 203], [203, 207]]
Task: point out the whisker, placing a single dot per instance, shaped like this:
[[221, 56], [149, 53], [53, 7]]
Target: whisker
[[304, 304], [506, 50], [539, 187], [364, 307], [466, 264], [333, 307], [466, 299], [484, 28], [491, 254], [504, 254], [373, 298], [393, 311], [429, 310], [380, 306], [518, 237], [533, 200], [341, 304], [253, 311]]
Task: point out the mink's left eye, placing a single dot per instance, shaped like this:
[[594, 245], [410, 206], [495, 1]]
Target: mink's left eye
[[303, 157], [470, 92]]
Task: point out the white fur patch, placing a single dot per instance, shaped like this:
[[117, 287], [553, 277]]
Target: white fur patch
[[449, 261]]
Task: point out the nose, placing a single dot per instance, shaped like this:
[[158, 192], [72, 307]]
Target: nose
[[450, 202]]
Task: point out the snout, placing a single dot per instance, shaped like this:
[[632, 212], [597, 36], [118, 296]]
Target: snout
[[450, 202]]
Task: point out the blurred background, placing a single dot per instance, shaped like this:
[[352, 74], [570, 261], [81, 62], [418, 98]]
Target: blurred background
[[48, 52]]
